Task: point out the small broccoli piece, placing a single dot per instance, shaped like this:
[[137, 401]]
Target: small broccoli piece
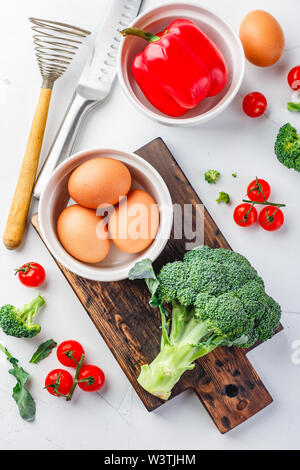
[[19, 322], [234, 175], [211, 176], [287, 147], [217, 299], [223, 197]]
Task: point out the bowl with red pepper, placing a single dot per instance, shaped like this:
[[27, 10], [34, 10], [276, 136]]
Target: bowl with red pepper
[[180, 64]]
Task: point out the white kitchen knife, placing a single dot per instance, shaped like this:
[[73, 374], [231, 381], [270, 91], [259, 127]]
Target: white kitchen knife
[[94, 84]]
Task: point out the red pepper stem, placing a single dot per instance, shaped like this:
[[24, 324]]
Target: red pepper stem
[[140, 33]]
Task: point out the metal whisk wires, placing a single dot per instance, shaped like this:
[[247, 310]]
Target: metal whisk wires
[[55, 45]]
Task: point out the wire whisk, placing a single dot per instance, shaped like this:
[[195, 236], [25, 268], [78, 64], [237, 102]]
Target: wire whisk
[[55, 46], [55, 52]]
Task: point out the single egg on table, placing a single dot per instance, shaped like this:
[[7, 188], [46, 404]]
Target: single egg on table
[[83, 234], [262, 38], [134, 223], [100, 181]]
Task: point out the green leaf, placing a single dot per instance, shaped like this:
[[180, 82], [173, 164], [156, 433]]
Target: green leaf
[[43, 351], [142, 270], [21, 396], [293, 107]]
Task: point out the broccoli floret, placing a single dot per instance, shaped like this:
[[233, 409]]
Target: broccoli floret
[[19, 322], [269, 322], [287, 147], [211, 176], [173, 278], [223, 197], [253, 298], [234, 175], [217, 299]]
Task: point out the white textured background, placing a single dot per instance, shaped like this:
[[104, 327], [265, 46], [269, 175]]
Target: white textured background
[[232, 142]]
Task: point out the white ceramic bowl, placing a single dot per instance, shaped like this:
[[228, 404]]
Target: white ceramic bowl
[[117, 264], [157, 19]]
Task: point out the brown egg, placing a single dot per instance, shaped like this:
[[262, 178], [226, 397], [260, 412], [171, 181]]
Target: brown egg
[[83, 234], [99, 181], [134, 223], [262, 38]]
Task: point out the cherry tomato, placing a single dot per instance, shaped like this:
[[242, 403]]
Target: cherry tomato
[[59, 382], [64, 351], [95, 378], [294, 78], [31, 274], [245, 214], [254, 104], [256, 188], [271, 218]]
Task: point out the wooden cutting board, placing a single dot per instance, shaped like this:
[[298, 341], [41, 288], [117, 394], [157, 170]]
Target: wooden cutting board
[[225, 381]]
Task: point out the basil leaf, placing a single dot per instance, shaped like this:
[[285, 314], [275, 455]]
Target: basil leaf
[[43, 351]]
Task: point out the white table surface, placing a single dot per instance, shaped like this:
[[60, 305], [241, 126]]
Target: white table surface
[[116, 419]]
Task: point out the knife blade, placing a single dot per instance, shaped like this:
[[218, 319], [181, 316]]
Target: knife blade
[[99, 72], [94, 85]]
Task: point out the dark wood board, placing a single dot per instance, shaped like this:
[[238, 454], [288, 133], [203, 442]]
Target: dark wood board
[[225, 381]]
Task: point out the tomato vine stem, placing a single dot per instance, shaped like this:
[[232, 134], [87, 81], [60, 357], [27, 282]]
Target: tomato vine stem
[[75, 381], [266, 203]]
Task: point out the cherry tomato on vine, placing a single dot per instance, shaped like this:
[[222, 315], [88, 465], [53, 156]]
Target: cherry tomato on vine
[[271, 218], [31, 274], [59, 382], [256, 188], [294, 78], [254, 104], [94, 377], [245, 215], [66, 350]]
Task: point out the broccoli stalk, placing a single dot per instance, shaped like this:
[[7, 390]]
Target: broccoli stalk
[[217, 300], [19, 322], [188, 340]]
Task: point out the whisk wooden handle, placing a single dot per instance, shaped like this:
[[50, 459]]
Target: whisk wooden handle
[[16, 221]]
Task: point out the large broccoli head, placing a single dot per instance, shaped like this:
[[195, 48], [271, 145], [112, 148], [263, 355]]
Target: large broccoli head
[[287, 147], [19, 322], [218, 299], [224, 289]]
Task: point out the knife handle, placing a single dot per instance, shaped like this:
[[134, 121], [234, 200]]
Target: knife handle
[[64, 140]]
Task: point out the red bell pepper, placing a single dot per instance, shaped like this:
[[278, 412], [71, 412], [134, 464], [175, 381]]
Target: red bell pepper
[[178, 68]]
